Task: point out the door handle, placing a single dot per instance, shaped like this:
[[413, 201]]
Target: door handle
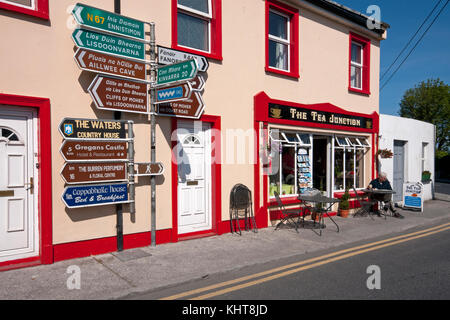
[[31, 185]]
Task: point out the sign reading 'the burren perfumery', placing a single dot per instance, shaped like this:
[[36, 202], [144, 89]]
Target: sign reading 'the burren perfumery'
[[278, 111]]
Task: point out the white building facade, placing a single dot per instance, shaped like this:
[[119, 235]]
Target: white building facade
[[412, 143]]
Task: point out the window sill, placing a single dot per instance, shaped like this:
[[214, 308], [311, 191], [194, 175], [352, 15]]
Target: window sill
[[30, 12], [364, 92], [286, 201], [294, 75], [212, 55]]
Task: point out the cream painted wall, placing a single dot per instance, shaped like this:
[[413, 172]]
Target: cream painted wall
[[38, 61]]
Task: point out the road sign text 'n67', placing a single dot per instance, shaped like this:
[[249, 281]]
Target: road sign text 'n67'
[[109, 22]]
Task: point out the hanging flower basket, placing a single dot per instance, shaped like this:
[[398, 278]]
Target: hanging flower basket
[[385, 153]]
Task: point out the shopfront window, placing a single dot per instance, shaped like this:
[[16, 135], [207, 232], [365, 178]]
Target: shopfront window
[[349, 155]]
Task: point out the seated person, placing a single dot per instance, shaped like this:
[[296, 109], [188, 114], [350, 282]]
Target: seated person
[[383, 183]]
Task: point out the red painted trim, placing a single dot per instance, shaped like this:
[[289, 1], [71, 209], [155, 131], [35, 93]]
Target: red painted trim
[[42, 105], [216, 32], [261, 107], [294, 38], [41, 10], [216, 181], [366, 43], [20, 263], [80, 249]]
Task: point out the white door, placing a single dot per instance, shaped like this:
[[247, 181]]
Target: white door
[[18, 214], [194, 176]]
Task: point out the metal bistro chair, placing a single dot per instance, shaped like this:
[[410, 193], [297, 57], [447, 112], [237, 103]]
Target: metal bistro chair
[[287, 215], [365, 205], [241, 206]]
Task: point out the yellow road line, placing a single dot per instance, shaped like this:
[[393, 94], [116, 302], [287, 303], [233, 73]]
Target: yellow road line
[[286, 273], [296, 264]]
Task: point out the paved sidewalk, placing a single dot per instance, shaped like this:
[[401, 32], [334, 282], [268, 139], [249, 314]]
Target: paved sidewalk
[[117, 275]]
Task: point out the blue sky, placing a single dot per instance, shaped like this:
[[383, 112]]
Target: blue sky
[[430, 59]]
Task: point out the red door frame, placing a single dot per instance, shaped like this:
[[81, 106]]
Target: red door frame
[[42, 105], [261, 115], [216, 182]]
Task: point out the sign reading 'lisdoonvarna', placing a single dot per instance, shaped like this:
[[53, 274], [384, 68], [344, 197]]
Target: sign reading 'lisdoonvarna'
[[71, 128], [285, 112]]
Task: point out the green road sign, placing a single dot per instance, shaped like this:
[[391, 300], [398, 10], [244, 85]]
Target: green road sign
[[109, 44], [107, 21], [176, 72]]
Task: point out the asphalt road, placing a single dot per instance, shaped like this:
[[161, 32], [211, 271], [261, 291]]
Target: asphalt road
[[411, 265]]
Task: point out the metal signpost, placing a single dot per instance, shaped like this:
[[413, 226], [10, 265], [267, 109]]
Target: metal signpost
[[171, 56], [103, 20], [109, 44], [119, 95]]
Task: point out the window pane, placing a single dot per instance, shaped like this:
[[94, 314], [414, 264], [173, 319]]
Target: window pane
[[305, 138], [26, 3], [199, 5], [288, 170], [193, 32], [356, 53], [278, 25], [349, 168], [291, 137], [338, 169], [341, 141], [278, 55], [359, 169], [356, 77], [354, 141]]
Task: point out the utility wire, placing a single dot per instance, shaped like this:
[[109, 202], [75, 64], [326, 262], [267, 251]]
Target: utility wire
[[418, 41], [410, 40]]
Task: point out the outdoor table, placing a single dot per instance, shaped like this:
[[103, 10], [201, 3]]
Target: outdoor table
[[378, 192], [324, 210]]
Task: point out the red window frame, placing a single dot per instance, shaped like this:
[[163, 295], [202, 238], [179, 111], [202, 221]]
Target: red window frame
[[41, 10], [215, 36], [365, 81], [293, 14]]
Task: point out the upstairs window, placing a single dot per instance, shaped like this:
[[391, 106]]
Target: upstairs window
[[196, 27], [359, 65], [281, 39], [37, 8]]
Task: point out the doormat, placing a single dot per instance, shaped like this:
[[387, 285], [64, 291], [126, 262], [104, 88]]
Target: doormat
[[129, 255]]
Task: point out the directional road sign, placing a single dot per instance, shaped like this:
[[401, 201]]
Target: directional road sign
[[198, 83], [170, 56], [177, 72], [109, 44], [107, 21], [149, 169], [92, 129], [119, 95], [95, 195], [73, 150], [189, 108], [104, 63], [173, 93], [94, 172]]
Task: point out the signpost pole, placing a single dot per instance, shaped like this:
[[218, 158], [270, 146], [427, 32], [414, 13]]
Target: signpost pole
[[131, 167], [119, 207], [153, 128]]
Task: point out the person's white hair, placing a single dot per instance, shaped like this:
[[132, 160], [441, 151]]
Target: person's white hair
[[382, 175]]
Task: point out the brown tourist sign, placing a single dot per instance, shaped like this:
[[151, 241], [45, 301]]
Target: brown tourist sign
[[90, 172], [119, 95], [189, 108], [73, 150], [103, 63], [149, 169]]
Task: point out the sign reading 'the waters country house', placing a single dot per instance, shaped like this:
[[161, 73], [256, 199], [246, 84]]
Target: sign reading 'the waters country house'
[[92, 129]]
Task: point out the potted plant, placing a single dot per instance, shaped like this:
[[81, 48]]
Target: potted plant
[[385, 153], [426, 176], [344, 205]]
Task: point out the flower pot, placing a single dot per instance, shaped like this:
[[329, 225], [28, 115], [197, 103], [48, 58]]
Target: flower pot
[[426, 176], [344, 213]]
